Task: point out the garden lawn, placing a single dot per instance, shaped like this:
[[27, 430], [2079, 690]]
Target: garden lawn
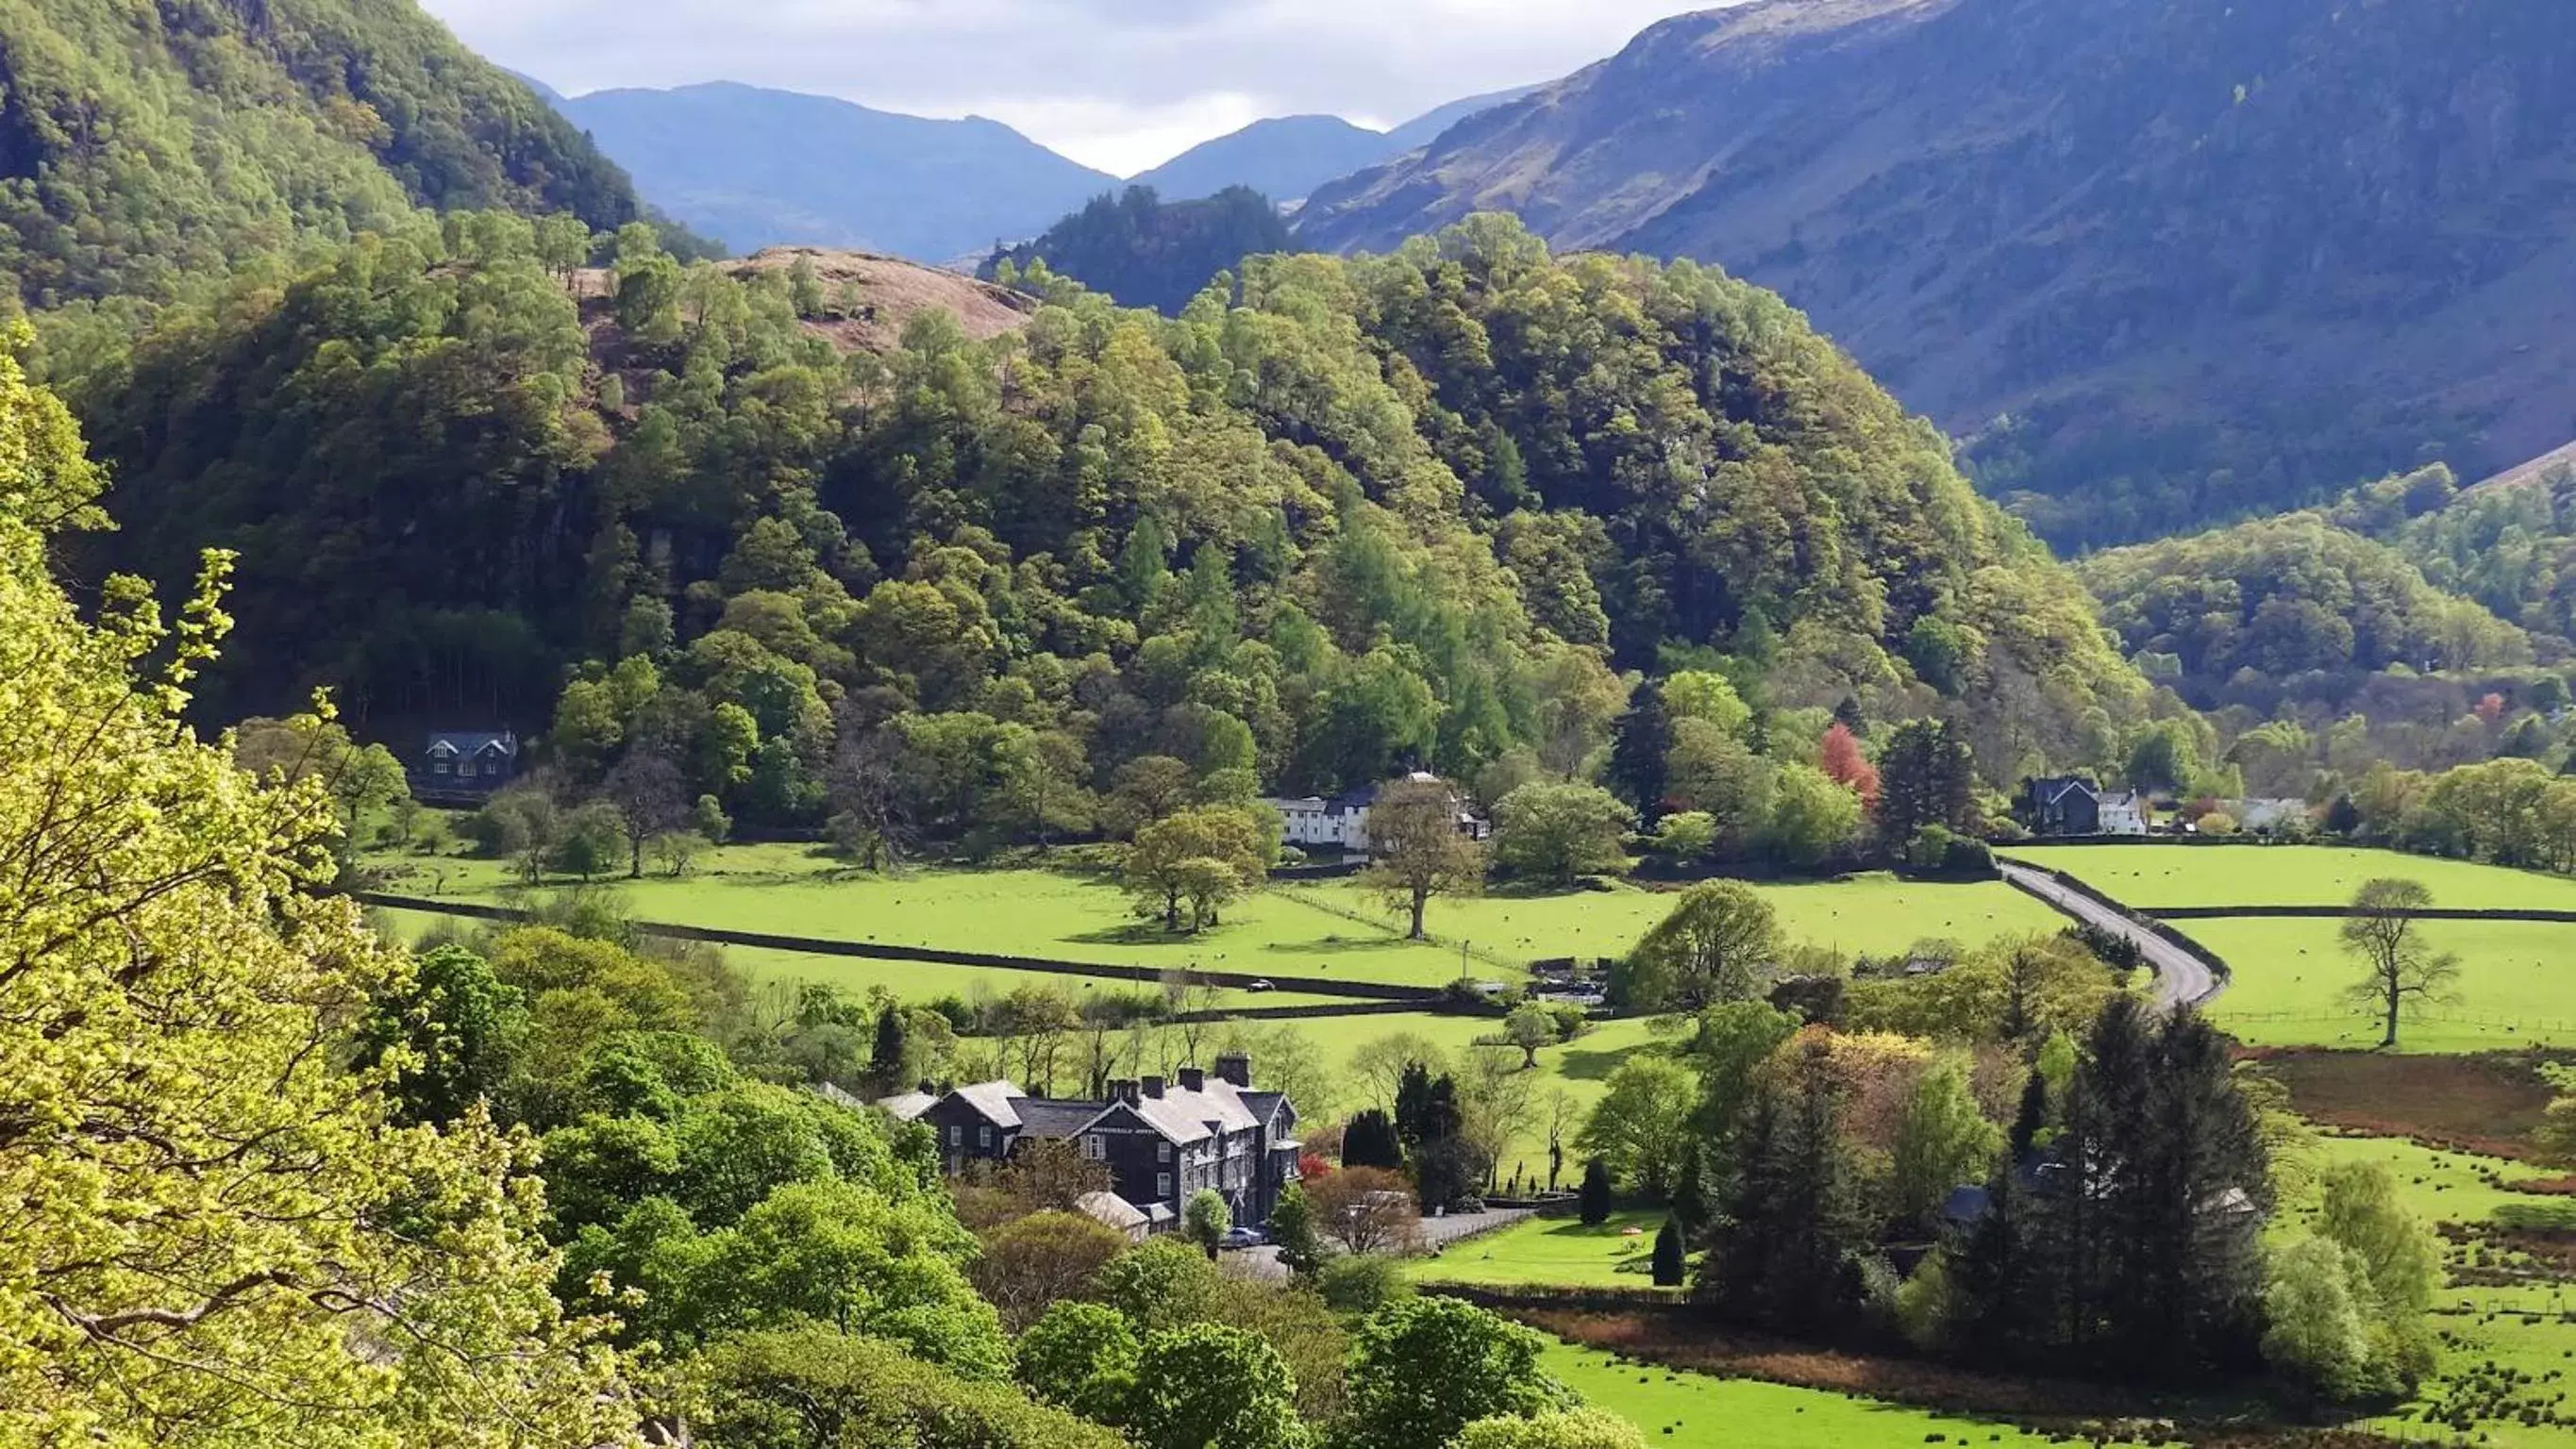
[[1688, 1410], [2152, 876], [2517, 985], [799, 891], [1875, 914], [1551, 1253]]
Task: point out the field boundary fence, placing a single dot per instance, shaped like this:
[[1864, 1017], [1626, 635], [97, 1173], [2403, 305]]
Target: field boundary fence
[[2334, 913], [2488, 1021], [1418, 998]]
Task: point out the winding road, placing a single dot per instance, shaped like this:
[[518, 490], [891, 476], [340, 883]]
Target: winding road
[[2181, 978]]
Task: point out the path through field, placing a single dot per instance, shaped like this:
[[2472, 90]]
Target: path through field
[[2181, 979]]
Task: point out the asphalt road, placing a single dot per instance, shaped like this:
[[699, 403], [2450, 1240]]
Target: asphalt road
[[2181, 979]]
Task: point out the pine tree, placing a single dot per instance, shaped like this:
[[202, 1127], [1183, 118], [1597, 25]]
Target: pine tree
[[1596, 1193], [1926, 777], [1370, 1141], [2031, 1119], [1640, 740], [1668, 1255], [885, 1057], [1783, 1253]]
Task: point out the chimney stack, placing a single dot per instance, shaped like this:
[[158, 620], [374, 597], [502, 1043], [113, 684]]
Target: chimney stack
[[1193, 1080], [1154, 1088], [928, 1087], [1235, 1067], [1123, 1089]]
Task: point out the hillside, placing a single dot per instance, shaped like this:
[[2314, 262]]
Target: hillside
[[1286, 157], [1338, 528], [1146, 252], [2289, 601], [2205, 255], [1283, 157], [146, 144], [756, 168]]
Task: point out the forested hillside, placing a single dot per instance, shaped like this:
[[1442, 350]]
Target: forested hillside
[[143, 145], [2166, 261], [1406, 511], [2287, 597], [1145, 252]]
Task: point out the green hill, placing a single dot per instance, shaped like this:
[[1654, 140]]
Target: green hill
[[145, 144], [1386, 511]]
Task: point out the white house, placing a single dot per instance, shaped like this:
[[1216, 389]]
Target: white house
[[2124, 812], [1342, 821]]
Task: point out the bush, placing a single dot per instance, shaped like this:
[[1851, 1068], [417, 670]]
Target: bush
[[1969, 857], [812, 1388], [1362, 1283]]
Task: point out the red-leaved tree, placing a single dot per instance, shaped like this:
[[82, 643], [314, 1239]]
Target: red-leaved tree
[[1838, 754]]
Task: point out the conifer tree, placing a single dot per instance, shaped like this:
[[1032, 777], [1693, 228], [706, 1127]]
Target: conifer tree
[[1668, 1255], [1595, 1195]]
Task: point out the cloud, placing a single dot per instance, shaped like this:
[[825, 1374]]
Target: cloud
[[1120, 84]]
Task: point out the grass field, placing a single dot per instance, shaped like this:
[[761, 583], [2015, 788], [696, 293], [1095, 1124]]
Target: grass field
[[2150, 876], [796, 890], [2528, 1326], [2517, 985], [1553, 1252], [1700, 1411], [1867, 914]]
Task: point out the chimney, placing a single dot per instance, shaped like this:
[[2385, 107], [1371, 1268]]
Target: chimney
[[1123, 1089], [1154, 1088], [1235, 1067], [927, 1087], [1193, 1080]]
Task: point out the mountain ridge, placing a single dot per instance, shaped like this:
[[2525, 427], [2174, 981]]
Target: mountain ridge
[[2162, 264]]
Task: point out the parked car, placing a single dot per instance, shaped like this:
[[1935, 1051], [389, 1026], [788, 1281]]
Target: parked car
[[1260, 986], [1243, 1238]]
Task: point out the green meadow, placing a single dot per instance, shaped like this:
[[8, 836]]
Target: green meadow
[[2517, 985], [2152, 876], [1874, 914], [1702, 1411], [1551, 1252]]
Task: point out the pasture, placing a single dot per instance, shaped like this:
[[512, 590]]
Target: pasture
[[1689, 1410], [799, 891], [2148, 877], [2516, 988], [1551, 1252], [1875, 914]]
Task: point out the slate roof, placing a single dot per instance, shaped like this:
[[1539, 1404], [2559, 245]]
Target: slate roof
[[1166, 1115], [469, 742], [998, 1101], [1055, 1119], [1262, 1105], [1110, 1208], [908, 1106], [1216, 1101]]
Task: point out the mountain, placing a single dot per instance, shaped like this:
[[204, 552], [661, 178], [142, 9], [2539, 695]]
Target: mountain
[[1428, 127], [1288, 156], [757, 168], [142, 145], [1147, 252], [2164, 261], [1285, 157]]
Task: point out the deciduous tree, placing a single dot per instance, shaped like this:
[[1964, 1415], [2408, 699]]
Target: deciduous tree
[[2403, 973], [1416, 849]]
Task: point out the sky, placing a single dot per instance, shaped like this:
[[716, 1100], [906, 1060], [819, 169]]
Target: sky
[[1121, 85]]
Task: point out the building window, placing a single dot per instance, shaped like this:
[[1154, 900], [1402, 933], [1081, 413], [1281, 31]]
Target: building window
[[1162, 1152], [466, 769], [984, 1137], [445, 767], [1162, 1184], [1095, 1148], [956, 1135]]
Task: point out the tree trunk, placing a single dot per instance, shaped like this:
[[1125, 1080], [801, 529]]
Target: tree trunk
[[1419, 898]]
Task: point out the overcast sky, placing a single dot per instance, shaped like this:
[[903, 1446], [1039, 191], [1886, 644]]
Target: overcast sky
[[1118, 84]]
